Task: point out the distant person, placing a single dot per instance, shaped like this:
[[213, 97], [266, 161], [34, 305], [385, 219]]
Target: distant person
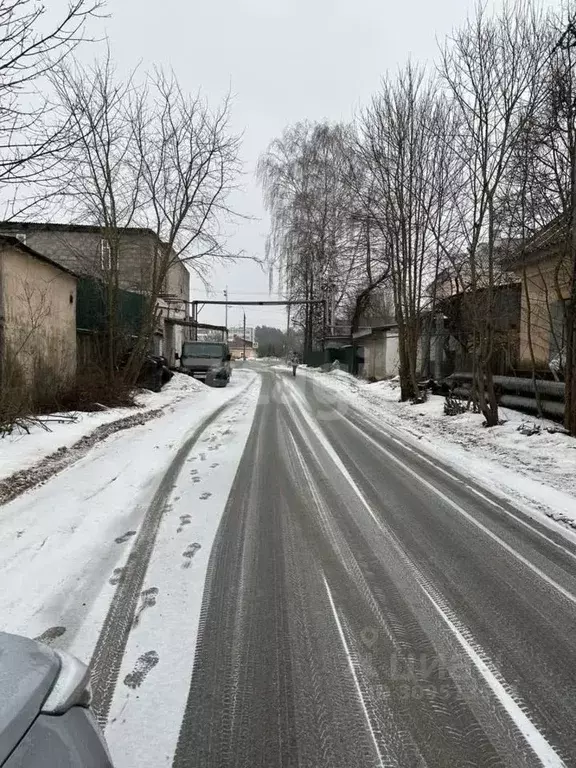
[[294, 362]]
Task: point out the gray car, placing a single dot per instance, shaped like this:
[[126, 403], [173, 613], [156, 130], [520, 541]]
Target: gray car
[[45, 718]]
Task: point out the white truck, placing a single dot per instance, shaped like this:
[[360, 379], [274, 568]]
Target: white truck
[[207, 360]]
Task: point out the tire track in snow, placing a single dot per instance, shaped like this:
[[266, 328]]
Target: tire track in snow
[[109, 651]]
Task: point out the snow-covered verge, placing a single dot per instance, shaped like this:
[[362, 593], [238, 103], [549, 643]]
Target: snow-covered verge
[[537, 472], [22, 450], [63, 546], [157, 666]]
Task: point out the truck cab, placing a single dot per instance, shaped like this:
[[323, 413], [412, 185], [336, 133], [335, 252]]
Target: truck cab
[[207, 360]]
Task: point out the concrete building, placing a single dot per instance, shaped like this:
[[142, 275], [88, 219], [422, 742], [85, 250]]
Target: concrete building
[[242, 348], [84, 250], [37, 319], [544, 270], [378, 348]]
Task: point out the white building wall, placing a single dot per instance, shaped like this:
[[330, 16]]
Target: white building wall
[[392, 364]]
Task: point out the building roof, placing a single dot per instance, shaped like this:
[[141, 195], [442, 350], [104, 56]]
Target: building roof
[[13, 242], [238, 341], [45, 226], [362, 333], [537, 246]]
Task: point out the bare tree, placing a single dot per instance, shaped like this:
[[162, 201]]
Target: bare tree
[[29, 50], [491, 68], [552, 136], [398, 143], [147, 156], [100, 175], [188, 160]]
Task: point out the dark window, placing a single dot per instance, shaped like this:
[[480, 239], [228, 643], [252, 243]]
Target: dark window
[[203, 349]]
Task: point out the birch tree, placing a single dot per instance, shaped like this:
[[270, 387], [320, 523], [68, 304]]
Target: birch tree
[[312, 239]]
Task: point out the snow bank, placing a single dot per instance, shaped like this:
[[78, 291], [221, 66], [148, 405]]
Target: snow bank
[[537, 471], [63, 545], [21, 450]]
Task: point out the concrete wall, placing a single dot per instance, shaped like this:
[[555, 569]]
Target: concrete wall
[[238, 353], [544, 284], [392, 354], [178, 281], [381, 355], [84, 253], [375, 358], [39, 308]]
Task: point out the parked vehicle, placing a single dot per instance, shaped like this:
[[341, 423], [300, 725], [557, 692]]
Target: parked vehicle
[[154, 373], [45, 719], [207, 360]]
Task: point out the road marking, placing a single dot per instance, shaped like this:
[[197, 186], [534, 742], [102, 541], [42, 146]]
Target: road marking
[[519, 518], [350, 661], [534, 568], [541, 748], [544, 751], [522, 522]]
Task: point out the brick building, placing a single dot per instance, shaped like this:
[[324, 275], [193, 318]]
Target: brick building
[[84, 250]]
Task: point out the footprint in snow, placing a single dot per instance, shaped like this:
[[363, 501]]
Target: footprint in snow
[[184, 520], [205, 495], [214, 447], [189, 553], [213, 466], [51, 634], [196, 479], [193, 471], [125, 536], [148, 601], [145, 663], [117, 576], [202, 457]]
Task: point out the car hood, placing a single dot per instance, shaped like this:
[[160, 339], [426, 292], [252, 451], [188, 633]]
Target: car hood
[[27, 673]]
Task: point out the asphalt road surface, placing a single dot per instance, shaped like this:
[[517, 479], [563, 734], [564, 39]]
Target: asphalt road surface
[[366, 607]]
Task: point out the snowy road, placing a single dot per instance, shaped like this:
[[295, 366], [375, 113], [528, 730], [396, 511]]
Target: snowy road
[[265, 578], [365, 608]]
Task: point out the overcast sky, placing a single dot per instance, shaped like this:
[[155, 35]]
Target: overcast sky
[[284, 61]]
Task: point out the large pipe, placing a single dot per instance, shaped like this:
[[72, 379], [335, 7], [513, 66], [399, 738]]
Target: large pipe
[[548, 407], [517, 384]]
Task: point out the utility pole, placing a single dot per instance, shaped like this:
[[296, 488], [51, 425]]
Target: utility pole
[[333, 311], [244, 339], [288, 332], [225, 292]]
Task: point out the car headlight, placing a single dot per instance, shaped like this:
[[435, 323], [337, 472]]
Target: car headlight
[[71, 688]]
